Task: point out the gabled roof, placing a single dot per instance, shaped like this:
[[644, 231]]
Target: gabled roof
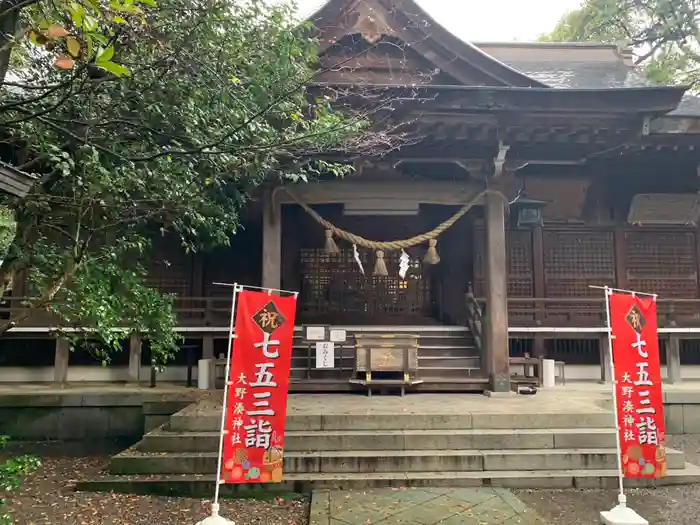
[[405, 20], [557, 66]]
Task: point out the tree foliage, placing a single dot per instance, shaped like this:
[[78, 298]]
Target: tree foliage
[[209, 99], [69, 31], [663, 33], [7, 230], [12, 471]]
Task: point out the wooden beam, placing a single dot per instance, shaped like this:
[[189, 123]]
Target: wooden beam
[[538, 282], [605, 372], [428, 192], [496, 333], [619, 240], [208, 347]]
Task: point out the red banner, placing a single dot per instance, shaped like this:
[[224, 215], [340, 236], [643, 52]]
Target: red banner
[[258, 387], [640, 416]]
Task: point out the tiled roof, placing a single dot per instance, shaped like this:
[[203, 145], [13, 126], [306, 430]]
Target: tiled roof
[[581, 75], [568, 66]]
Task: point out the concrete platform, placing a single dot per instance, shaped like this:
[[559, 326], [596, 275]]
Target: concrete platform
[[555, 439]]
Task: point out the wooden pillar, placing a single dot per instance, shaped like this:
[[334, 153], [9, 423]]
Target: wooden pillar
[[673, 359], [538, 284], [605, 372], [60, 365], [135, 358], [496, 333], [208, 347], [620, 247], [272, 240]]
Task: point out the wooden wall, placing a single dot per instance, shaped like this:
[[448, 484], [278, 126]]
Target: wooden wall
[[563, 261]]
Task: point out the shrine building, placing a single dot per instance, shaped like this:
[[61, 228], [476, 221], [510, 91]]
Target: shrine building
[[534, 173]]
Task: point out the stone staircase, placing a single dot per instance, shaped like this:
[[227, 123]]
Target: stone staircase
[[448, 358], [515, 450]]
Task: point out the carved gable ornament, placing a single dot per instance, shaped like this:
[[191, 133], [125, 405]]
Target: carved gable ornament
[[665, 209], [370, 23]]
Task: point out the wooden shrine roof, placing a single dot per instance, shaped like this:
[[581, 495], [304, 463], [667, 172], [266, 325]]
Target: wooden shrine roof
[[554, 67]]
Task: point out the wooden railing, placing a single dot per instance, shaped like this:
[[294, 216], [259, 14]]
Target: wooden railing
[[191, 311], [590, 312], [549, 311], [475, 317]]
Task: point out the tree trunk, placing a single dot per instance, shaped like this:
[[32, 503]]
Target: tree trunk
[[9, 17]]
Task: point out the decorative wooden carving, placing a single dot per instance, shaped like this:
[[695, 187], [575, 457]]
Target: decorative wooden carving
[[668, 209], [370, 23], [387, 353]]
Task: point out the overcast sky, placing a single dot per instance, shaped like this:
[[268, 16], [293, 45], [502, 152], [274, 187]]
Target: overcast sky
[[488, 20]]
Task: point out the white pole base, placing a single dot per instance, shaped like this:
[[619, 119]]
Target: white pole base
[[215, 519], [621, 515]]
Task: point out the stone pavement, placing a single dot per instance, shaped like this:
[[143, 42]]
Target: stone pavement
[[420, 506]]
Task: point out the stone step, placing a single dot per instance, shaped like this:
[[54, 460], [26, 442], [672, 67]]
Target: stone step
[[362, 461], [436, 351], [210, 421], [455, 361], [449, 372], [203, 486], [320, 440]]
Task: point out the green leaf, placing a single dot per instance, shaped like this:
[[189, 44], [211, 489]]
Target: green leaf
[[114, 68], [105, 54], [73, 46]]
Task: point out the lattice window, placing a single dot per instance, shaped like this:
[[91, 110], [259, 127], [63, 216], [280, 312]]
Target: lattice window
[[169, 269], [573, 260], [519, 256], [334, 283], [662, 262], [519, 261]]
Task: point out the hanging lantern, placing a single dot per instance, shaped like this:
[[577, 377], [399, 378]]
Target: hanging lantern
[[527, 211]]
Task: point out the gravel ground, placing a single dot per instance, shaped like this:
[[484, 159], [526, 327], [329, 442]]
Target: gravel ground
[[47, 497], [661, 506]]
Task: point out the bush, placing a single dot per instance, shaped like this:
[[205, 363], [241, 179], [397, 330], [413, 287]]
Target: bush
[[12, 471]]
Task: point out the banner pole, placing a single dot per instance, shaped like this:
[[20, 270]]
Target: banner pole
[[231, 339], [618, 444]]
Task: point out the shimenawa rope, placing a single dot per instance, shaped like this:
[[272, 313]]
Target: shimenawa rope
[[431, 256]]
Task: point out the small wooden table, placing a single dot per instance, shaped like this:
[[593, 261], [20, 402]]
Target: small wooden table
[[392, 357]]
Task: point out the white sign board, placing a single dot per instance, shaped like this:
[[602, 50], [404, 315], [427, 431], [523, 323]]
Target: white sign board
[[325, 355], [315, 333], [339, 336]]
